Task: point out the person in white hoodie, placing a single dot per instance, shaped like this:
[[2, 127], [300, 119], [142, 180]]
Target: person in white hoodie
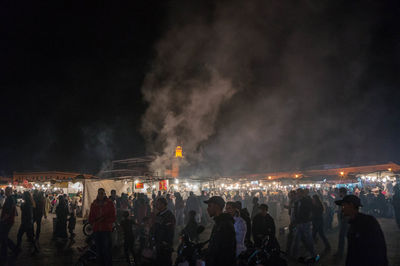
[[240, 226]]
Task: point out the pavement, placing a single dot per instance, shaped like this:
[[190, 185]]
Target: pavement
[[53, 253]]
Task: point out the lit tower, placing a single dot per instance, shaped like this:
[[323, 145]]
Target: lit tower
[[176, 161]]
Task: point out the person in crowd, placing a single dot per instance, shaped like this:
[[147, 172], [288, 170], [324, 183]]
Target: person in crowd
[[102, 215], [396, 203], [47, 205], [205, 219], [256, 208], [179, 207], [343, 225], [303, 217], [222, 244], [263, 225], [328, 216], [171, 205], [318, 221], [72, 220], [163, 229], [366, 244], [239, 225], [38, 212], [145, 252], [244, 213], [193, 204], [6, 222], [129, 239], [26, 222], [289, 243], [191, 227], [62, 218]]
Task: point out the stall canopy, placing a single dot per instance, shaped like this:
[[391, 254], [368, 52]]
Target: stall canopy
[[91, 186]]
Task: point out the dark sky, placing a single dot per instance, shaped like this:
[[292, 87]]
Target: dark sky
[[72, 74]]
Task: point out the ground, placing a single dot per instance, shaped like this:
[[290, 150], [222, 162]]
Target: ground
[[59, 255]]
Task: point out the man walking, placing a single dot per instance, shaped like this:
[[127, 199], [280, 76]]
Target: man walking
[[164, 228], [343, 225], [102, 216], [366, 244], [222, 245], [263, 225], [6, 222]]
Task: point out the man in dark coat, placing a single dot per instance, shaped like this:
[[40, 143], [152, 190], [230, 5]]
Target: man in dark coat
[[263, 225], [163, 229], [365, 240], [222, 245]]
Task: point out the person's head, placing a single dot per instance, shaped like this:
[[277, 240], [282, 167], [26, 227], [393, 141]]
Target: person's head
[[316, 200], [239, 205], [191, 193], [350, 205], [159, 193], [8, 191], [26, 197], [255, 200], [263, 209], [231, 208], [192, 215], [113, 193], [215, 206], [161, 204], [168, 196], [125, 214], [342, 192], [101, 193]]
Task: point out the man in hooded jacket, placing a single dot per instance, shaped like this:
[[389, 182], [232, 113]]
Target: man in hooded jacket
[[222, 245]]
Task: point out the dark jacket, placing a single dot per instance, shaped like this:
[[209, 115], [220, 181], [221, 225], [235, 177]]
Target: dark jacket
[[262, 226], [222, 245], [244, 213], [303, 208], [8, 212], [163, 229], [366, 242], [26, 214]]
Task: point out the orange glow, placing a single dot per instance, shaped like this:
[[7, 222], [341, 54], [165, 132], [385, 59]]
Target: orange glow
[[269, 177], [342, 173], [178, 152], [296, 176], [390, 169]]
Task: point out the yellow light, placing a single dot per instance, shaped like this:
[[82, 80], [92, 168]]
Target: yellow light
[[270, 177], [341, 173], [296, 176], [389, 169], [178, 152]]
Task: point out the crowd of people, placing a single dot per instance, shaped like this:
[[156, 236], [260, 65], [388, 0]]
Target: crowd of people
[[239, 221]]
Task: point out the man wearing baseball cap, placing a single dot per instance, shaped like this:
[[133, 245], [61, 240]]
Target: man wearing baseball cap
[[222, 245], [366, 242]]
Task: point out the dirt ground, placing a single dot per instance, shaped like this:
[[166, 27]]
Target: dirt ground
[[52, 254]]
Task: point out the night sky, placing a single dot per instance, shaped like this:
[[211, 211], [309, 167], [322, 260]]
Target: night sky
[[73, 75]]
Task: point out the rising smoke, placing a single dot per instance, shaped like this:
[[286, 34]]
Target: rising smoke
[[247, 86]]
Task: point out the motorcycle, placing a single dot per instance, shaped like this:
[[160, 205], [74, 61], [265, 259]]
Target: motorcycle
[[268, 254], [190, 253]]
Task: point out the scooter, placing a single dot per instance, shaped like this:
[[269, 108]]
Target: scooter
[[190, 253]]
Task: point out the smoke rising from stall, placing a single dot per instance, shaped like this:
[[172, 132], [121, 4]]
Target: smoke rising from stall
[[250, 86]]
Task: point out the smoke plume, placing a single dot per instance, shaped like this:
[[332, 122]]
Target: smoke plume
[[248, 86]]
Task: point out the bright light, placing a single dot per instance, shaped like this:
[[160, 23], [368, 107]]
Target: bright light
[[296, 176], [270, 177], [176, 181], [389, 169], [153, 186], [195, 187], [384, 179], [341, 173], [222, 185], [362, 177], [136, 181]]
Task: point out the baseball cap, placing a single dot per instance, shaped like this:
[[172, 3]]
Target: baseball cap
[[217, 200], [350, 199]]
